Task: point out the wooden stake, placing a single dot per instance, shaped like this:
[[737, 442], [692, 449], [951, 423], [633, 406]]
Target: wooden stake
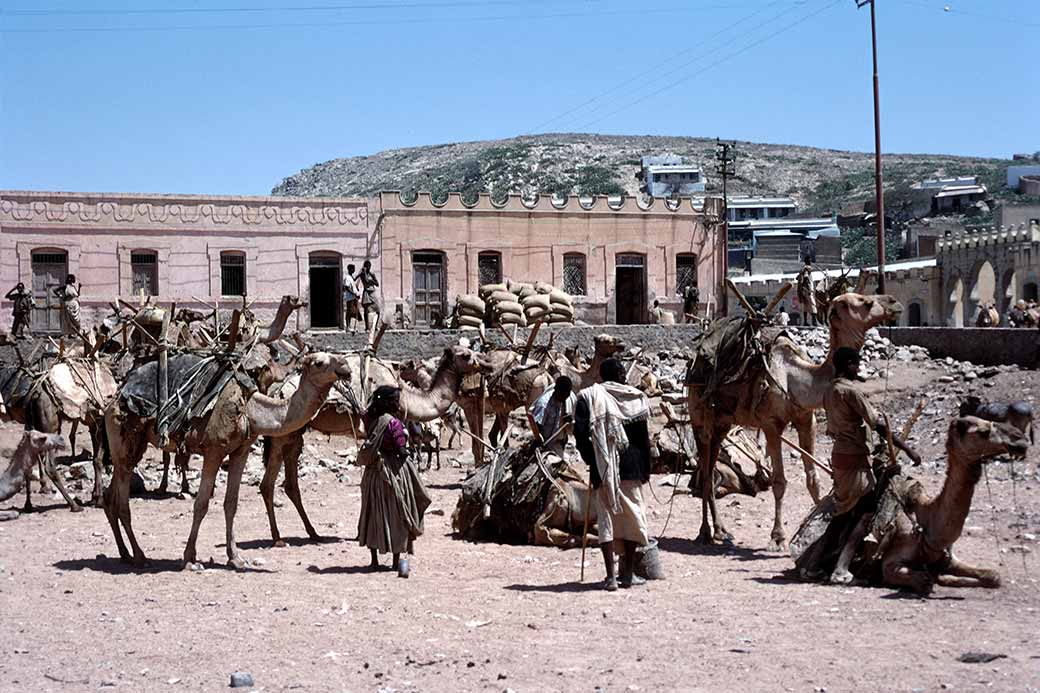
[[585, 531], [530, 341], [815, 461]]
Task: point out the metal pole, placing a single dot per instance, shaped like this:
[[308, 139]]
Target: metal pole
[[723, 294], [878, 191]]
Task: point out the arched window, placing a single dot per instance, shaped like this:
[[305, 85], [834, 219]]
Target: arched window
[[232, 273], [574, 278], [144, 272], [489, 267]]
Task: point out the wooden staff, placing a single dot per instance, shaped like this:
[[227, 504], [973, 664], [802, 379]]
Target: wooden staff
[[585, 530], [909, 425], [530, 342], [815, 461]]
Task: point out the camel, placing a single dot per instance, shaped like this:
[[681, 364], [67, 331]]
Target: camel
[[30, 448], [237, 417], [988, 316], [343, 418], [514, 384], [781, 388], [75, 390], [916, 557]]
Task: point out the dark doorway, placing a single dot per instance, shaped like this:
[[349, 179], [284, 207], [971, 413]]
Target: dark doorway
[[914, 317], [49, 269], [1029, 292], [326, 299], [427, 286], [630, 290]]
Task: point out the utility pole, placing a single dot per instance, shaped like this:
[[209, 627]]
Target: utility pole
[[878, 191], [725, 166]]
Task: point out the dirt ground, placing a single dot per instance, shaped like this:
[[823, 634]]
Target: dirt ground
[[492, 617]]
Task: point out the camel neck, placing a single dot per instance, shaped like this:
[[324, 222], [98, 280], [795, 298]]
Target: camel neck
[[270, 416], [433, 402], [942, 518]]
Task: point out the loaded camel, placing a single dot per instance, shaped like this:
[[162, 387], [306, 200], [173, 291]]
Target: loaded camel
[[226, 430], [344, 418], [917, 555], [75, 390], [782, 387]]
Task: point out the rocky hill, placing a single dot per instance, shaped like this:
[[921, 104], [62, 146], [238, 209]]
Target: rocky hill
[[821, 180]]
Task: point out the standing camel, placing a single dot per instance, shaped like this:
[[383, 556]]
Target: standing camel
[[772, 390], [342, 419], [227, 429]]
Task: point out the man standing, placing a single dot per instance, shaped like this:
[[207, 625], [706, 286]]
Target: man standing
[[22, 310], [806, 292], [553, 410], [691, 297], [351, 298], [850, 418], [69, 296], [369, 303], [610, 429]]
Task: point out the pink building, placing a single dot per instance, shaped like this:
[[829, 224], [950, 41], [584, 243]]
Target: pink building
[[182, 248]]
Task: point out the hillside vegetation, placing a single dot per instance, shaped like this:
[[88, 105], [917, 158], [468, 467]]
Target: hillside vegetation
[[821, 180]]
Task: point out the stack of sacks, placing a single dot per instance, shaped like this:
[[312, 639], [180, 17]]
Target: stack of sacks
[[549, 304], [502, 305], [469, 312]]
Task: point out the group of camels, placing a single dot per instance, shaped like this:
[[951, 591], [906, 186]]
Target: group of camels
[[260, 396]]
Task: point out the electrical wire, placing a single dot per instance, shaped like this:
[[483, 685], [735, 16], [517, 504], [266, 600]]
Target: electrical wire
[[946, 8]]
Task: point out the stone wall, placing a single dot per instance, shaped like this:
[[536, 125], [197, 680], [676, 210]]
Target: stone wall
[[993, 346], [403, 344]]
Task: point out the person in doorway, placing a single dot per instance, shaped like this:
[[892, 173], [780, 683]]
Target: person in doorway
[[806, 293], [21, 311], [782, 318], [552, 411], [393, 498], [69, 294], [351, 300], [691, 298], [369, 302], [850, 418], [656, 312], [610, 430]]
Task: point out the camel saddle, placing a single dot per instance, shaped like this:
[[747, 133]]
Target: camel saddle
[[733, 351]]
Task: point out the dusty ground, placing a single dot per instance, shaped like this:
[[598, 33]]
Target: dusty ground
[[490, 617]]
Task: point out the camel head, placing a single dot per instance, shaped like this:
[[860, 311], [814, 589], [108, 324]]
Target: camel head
[[607, 345], [291, 302], [972, 441], [323, 368], [410, 370], [466, 361], [851, 315], [44, 442]]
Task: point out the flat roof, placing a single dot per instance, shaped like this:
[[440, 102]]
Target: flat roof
[[762, 202], [820, 274], [954, 190]]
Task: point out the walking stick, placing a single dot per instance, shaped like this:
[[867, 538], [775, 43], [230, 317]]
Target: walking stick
[[585, 531]]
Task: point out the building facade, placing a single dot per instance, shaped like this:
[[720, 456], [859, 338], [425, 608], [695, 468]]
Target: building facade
[[189, 249], [615, 256], [669, 176]]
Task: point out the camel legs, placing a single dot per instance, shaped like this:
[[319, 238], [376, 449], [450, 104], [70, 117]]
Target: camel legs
[[47, 459], [127, 451], [165, 481], [473, 408], [960, 574], [236, 465], [276, 450], [72, 438], [98, 446], [807, 441], [777, 538], [712, 446], [210, 466]]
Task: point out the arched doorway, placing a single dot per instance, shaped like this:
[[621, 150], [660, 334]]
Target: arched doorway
[[1008, 292], [984, 289], [49, 269], [326, 295], [913, 315], [955, 302]]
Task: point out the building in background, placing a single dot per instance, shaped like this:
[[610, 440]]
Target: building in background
[[181, 248], [1016, 173], [953, 195], [668, 175], [614, 255]]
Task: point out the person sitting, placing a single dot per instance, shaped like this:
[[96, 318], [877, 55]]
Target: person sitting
[[610, 430], [552, 411]]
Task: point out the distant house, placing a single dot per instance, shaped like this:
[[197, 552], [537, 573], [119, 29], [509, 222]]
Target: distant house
[[1015, 174], [669, 176], [953, 195]]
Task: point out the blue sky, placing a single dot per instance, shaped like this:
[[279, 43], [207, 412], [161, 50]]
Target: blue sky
[[229, 102]]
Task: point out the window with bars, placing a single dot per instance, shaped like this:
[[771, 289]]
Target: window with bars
[[489, 267], [574, 274], [685, 271], [144, 271], [232, 274]]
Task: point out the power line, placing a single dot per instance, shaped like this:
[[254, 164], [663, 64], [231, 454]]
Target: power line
[[640, 75], [373, 22], [947, 8], [716, 63], [254, 10]]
